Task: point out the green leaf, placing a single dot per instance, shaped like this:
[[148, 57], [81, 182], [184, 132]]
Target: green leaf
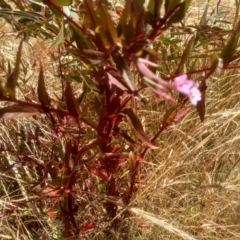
[[138, 6], [3, 4], [174, 114], [138, 127], [154, 7], [71, 101], [170, 5], [185, 55], [83, 94], [170, 115], [180, 12], [62, 3], [231, 45], [106, 29], [79, 37], [203, 20], [123, 134], [19, 15], [60, 37], [110, 28], [129, 31], [105, 37], [17, 111], [41, 90], [125, 17], [13, 77], [91, 15]]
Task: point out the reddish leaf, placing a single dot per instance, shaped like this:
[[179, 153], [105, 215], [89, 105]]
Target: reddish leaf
[[72, 104], [86, 227], [18, 111], [100, 173], [41, 90], [138, 127], [174, 114], [125, 71], [113, 80], [51, 213], [169, 116], [201, 104], [52, 192], [182, 112]]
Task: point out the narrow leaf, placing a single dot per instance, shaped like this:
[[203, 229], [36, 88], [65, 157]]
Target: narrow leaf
[[185, 55], [79, 37], [113, 80], [169, 116], [174, 114], [3, 4], [13, 77], [94, 22], [132, 161], [83, 94], [138, 6], [9, 67], [41, 90], [100, 173], [18, 111], [138, 127], [122, 66], [129, 31], [203, 20], [62, 3], [170, 4], [123, 134], [154, 7], [110, 25], [231, 45], [59, 39], [86, 227], [71, 101], [180, 12], [201, 104], [125, 17], [105, 37]]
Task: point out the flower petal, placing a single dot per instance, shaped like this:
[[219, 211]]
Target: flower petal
[[188, 87]]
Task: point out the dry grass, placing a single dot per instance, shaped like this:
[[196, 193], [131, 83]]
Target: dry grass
[[191, 184], [193, 181], [21, 217]]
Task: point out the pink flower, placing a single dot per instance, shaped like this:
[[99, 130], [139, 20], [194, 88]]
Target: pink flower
[[159, 86], [188, 87]]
